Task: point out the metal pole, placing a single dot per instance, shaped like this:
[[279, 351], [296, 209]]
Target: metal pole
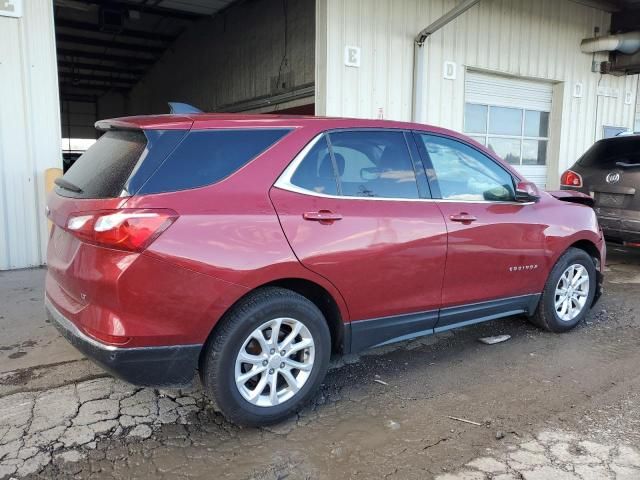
[[419, 94]]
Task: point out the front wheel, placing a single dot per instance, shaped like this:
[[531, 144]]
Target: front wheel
[[568, 293], [267, 358]]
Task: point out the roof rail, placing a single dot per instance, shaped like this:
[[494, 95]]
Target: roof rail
[[177, 107]]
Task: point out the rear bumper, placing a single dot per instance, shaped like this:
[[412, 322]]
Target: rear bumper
[[167, 366], [620, 229]]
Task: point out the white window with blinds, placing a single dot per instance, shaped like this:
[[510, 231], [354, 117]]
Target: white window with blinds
[[511, 117]]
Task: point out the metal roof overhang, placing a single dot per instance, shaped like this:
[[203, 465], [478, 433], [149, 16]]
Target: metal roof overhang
[[108, 45]]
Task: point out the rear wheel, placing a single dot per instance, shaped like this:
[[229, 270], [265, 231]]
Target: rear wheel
[[267, 358], [568, 293]]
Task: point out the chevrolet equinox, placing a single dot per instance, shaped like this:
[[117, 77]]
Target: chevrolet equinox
[[250, 248]]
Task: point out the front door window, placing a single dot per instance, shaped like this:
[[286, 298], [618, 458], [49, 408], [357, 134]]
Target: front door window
[[465, 174]]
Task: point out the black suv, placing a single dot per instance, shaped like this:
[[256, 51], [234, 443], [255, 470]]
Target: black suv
[[610, 172]]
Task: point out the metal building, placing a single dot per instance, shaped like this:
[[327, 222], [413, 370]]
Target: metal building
[[29, 128], [498, 53], [66, 63]]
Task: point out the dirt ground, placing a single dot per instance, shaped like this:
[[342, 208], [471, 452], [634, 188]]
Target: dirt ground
[[542, 406]]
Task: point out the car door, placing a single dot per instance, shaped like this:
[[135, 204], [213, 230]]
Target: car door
[[354, 208], [495, 255]]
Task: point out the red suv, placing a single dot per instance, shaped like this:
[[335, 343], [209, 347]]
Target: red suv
[[251, 248]]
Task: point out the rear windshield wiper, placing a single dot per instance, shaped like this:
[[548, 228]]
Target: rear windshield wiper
[[627, 165], [67, 185]]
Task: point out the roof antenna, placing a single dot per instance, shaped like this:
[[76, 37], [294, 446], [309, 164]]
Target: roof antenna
[[177, 107]]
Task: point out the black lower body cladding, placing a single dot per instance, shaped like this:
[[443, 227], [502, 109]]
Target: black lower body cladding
[[171, 366]]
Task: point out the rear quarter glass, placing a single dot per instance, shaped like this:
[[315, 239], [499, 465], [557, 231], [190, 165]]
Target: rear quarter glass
[[205, 157]]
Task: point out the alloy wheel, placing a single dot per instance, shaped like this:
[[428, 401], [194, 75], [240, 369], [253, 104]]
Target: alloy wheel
[[571, 292], [274, 362]]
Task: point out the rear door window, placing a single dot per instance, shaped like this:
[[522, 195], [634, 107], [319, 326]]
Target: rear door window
[[316, 172], [102, 171], [374, 164], [207, 156]]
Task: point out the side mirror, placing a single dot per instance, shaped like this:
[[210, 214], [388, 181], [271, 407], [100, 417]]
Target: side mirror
[[527, 192]]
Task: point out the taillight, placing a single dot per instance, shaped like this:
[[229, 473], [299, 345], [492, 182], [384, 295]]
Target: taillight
[[131, 230], [571, 179], [106, 338]]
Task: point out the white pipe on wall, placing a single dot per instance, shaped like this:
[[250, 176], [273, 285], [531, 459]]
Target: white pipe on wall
[[419, 54], [628, 43]]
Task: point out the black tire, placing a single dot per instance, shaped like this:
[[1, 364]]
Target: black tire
[[545, 315], [218, 363]]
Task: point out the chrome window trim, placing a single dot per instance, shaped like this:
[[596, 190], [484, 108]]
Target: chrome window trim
[[284, 183]]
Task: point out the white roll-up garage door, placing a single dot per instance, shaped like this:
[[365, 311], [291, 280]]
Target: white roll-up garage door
[[516, 126]]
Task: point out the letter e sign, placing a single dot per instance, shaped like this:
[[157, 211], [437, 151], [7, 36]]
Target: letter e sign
[[351, 56]]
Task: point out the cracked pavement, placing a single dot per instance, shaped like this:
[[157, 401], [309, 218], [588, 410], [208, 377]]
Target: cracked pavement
[[554, 455], [37, 428], [544, 406]]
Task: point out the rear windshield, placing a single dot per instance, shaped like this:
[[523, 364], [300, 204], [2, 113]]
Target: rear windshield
[[103, 170], [609, 153], [205, 157]]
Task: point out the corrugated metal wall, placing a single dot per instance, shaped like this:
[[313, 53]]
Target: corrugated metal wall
[[29, 131], [532, 39], [233, 58], [637, 125]]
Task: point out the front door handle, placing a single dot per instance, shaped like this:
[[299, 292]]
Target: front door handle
[[463, 218], [323, 216]]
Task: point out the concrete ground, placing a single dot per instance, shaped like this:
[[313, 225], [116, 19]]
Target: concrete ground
[[539, 406], [25, 339]]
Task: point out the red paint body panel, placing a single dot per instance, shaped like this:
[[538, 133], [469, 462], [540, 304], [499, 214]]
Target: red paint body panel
[[383, 258], [482, 255], [492, 257]]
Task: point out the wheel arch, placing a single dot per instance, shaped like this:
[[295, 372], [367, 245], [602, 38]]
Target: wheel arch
[[322, 299], [591, 249], [314, 292], [594, 252]]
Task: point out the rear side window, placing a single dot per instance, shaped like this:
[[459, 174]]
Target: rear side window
[[103, 170], [374, 164], [608, 153], [207, 156]]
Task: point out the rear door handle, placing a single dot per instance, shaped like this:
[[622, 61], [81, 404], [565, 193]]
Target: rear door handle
[[322, 216], [462, 218]]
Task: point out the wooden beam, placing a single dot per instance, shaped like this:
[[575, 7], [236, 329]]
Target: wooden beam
[[100, 68], [154, 10], [125, 32], [90, 86], [98, 78], [97, 42], [67, 52]]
